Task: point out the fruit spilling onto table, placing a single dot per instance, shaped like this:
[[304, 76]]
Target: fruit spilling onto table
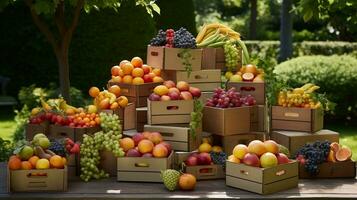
[[107, 140], [313, 154], [107, 99], [173, 179], [171, 91], [259, 154], [219, 35], [174, 39], [40, 153], [300, 97], [229, 99], [135, 72], [145, 144], [247, 73]]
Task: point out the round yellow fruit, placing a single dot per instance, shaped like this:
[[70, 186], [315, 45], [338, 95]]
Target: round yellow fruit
[[205, 147], [217, 149], [161, 90], [232, 158], [236, 78], [228, 75], [240, 150], [42, 164], [92, 109]]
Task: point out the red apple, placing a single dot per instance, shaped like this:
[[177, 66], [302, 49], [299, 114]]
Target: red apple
[[185, 95], [168, 147], [251, 159], [147, 78], [282, 158], [154, 97], [204, 159], [165, 98], [133, 153], [174, 95], [169, 84], [182, 86], [191, 161], [146, 69], [137, 138], [195, 92]]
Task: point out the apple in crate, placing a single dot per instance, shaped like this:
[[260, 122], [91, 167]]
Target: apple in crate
[[182, 86], [155, 137], [137, 138], [154, 97], [174, 95], [195, 92], [204, 159], [251, 159], [191, 161], [282, 158], [169, 84], [168, 147], [160, 151], [185, 95], [133, 153]]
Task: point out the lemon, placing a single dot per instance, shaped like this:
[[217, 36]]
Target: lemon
[[205, 147]]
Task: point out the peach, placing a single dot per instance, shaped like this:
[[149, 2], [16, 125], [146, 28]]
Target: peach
[[151, 74], [121, 73], [128, 79], [138, 80], [116, 79], [127, 68], [146, 146], [137, 72], [160, 151], [147, 78], [169, 84], [195, 92], [268, 160], [127, 143], [133, 153], [137, 138], [240, 150], [115, 90], [147, 69], [161, 90], [234, 159], [155, 137], [104, 104], [168, 147], [137, 62], [146, 134], [182, 86], [157, 72], [26, 165], [165, 98], [271, 146], [174, 95], [174, 90], [121, 64], [115, 70], [157, 79], [185, 95], [251, 159], [257, 147]]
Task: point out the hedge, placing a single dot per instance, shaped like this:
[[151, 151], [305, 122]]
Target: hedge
[[336, 75]]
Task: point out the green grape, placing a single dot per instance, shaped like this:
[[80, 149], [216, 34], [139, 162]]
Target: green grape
[[231, 56]]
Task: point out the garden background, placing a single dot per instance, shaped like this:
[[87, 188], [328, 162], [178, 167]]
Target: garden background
[[324, 50]]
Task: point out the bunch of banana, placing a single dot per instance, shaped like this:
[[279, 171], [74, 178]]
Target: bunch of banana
[[299, 97], [56, 105], [211, 29], [103, 95]]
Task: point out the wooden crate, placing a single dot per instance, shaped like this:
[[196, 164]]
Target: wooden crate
[[76, 134], [126, 116], [142, 169], [331, 170], [141, 118], [262, 180], [32, 129], [226, 121], [172, 58], [136, 93], [259, 118], [180, 138], [214, 58], [297, 119], [35, 180], [256, 89], [169, 112], [205, 172]]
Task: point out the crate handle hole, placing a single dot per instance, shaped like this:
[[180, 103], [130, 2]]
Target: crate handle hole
[[244, 172], [206, 171], [63, 134], [280, 173], [37, 175], [172, 108], [291, 114], [142, 165], [154, 53], [37, 184], [167, 134], [201, 77], [245, 88]]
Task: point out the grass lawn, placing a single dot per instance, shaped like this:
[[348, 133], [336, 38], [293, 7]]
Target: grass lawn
[[7, 123]]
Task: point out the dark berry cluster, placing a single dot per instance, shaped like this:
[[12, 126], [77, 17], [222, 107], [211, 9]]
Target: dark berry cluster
[[58, 148], [218, 158], [159, 39], [184, 39], [311, 155]]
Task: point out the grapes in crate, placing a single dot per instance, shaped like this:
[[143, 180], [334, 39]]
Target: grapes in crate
[[229, 99]]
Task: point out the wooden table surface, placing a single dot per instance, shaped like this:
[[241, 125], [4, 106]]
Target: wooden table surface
[[111, 189]]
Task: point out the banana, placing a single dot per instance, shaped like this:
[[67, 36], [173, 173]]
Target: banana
[[111, 96], [209, 40], [298, 91], [45, 105], [312, 89], [307, 86], [208, 33], [201, 34]]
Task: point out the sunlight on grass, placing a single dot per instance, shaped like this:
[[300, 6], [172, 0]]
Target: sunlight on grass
[[7, 128]]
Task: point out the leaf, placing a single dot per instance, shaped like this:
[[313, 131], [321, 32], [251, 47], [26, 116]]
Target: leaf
[[331, 1], [156, 8], [308, 15]]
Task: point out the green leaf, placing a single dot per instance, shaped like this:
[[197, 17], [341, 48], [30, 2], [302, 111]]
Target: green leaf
[[308, 15], [155, 8]]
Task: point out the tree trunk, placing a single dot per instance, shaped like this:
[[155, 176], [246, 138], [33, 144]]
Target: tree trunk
[[286, 29], [253, 20], [63, 68]]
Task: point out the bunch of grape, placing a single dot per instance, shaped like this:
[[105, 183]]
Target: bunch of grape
[[229, 99], [219, 158], [170, 33], [231, 54], [159, 39], [107, 139], [311, 155], [184, 39], [58, 148]]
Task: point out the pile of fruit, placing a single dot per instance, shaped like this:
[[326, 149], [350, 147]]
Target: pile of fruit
[[171, 91], [219, 35], [313, 154], [55, 105], [207, 155], [146, 144], [259, 154], [135, 72], [174, 39], [249, 73], [78, 120], [300, 97], [107, 139], [40, 153], [107, 99], [229, 99], [173, 179]]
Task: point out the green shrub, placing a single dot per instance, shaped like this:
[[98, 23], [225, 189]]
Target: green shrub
[[336, 75]]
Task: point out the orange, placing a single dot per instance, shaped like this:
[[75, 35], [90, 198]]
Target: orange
[[97, 120], [94, 91], [157, 79], [14, 156], [137, 62], [26, 165], [123, 101], [14, 164], [116, 79], [56, 162], [137, 72], [115, 90], [115, 70], [127, 68], [114, 106], [157, 71], [138, 80], [33, 160], [121, 64], [127, 79], [121, 73]]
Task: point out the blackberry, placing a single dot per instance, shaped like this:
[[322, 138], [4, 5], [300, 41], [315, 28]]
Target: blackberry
[[184, 39], [219, 158], [314, 154], [159, 39], [58, 148]]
